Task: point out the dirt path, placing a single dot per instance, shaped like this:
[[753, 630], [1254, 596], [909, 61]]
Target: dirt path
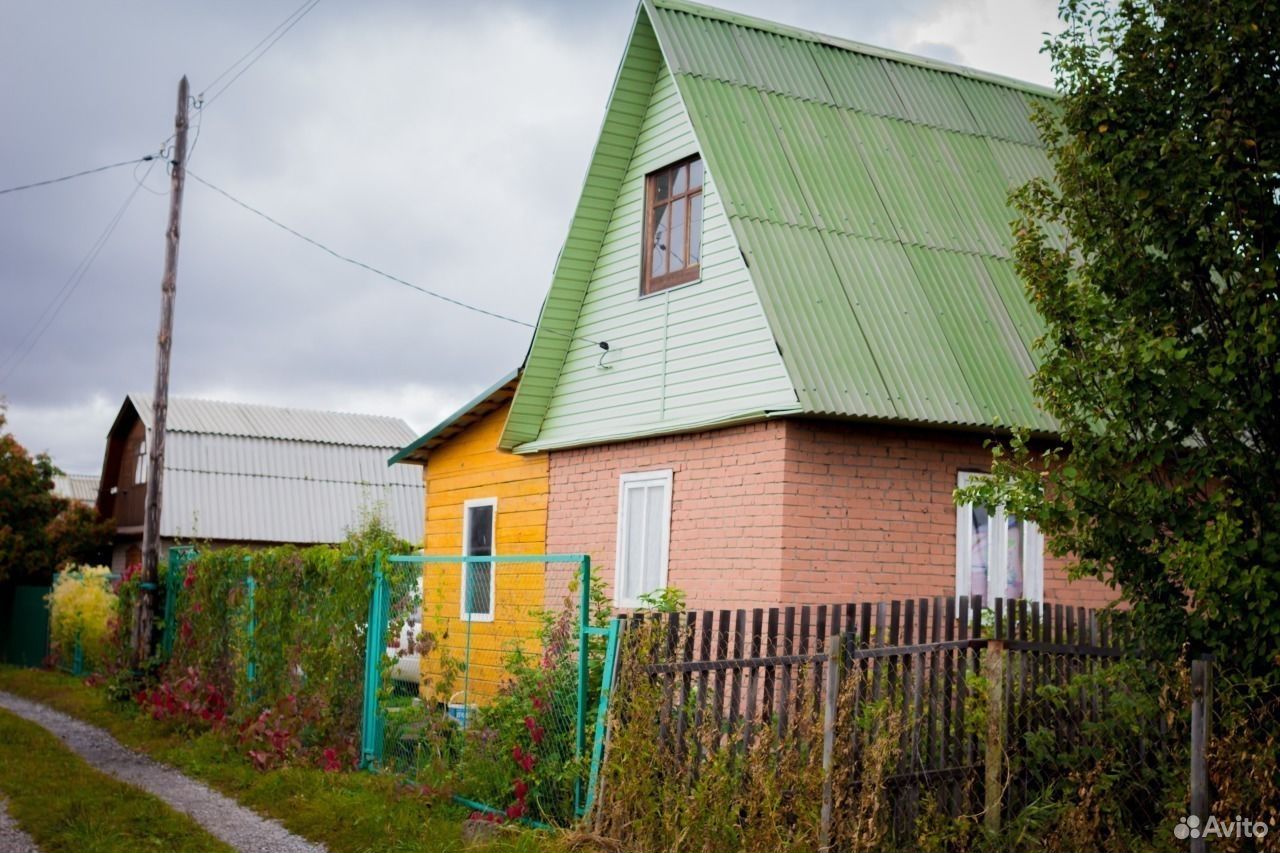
[[243, 829], [12, 838]]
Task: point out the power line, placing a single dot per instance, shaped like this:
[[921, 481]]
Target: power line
[[367, 267], [92, 171], [268, 40], [58, 302]]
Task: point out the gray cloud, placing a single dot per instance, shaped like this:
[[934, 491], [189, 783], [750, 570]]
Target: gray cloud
[[445, 143]]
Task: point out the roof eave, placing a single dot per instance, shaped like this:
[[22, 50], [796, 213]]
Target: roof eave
[[416, 453]]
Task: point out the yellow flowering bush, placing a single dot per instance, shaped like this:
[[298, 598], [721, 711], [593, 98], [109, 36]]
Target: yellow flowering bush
[[82, 603]]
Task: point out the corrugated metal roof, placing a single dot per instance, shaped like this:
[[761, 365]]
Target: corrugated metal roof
[[265, 474], [869, 193], [214, 417], [270, 491], [77, 487], [867, 189]]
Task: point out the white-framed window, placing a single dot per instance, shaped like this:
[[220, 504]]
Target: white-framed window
[[644, 535], [479, 526], [997, 554]]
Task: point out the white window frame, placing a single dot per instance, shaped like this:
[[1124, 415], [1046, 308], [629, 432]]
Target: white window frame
[[666, 478], [493, 567], [1033, 550]]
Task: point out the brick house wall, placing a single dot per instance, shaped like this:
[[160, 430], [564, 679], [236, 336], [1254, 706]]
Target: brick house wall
[[726, 501], [868, 514], [792, 511]]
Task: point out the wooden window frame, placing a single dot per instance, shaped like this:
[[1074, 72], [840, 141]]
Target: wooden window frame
[[467, 506], [997, 543], [656, 284], [642, 479]]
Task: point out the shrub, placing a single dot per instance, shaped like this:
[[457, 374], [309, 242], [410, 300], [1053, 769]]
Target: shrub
[[81, 607], [708, 789], [270, 643]]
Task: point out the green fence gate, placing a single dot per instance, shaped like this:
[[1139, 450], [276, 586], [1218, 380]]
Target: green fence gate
[[179, 557], [513, 720], [26, 635]]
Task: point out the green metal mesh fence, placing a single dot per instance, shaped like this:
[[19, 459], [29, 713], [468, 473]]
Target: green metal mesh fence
[[479, 676], [490, 679]]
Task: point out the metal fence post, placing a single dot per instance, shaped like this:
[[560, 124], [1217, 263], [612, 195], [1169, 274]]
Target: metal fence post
[[602, 711], [1201, 710], [830, 708], [584, 617], [369, 747], [251, 669]]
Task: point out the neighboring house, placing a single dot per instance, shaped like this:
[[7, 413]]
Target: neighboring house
[[257, 475], [81, 488], [797, 250], [480, 501]]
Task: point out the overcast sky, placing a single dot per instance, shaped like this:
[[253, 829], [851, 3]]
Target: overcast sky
[[444, 143]]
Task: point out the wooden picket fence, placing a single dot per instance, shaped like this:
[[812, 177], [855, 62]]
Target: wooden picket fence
[[743, 670]]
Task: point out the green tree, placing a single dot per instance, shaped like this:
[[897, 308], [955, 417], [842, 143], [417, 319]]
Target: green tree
[[1160, 356], [27, 506], [39, 530], [79, 535]]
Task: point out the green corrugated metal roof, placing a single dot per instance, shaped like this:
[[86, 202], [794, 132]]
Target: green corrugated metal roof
[[868, 192]]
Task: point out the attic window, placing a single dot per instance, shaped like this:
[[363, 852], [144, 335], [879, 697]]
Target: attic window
[[673, 225], [140, 464]]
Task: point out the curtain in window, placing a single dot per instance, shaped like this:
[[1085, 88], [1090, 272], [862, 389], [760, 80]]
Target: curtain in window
[[980, 552], [643, 539]]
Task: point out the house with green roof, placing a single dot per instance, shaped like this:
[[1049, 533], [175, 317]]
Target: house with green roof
[[784, 319]]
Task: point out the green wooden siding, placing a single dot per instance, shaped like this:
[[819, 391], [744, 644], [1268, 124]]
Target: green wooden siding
[[679, 358]]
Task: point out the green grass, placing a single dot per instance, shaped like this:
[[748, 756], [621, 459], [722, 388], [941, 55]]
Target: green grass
[[347, 812], [64, 804]]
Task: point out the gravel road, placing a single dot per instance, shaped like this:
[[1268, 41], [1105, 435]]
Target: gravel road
[[12, 838], [243, 829]]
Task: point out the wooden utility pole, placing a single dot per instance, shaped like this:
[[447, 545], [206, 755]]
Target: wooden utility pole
[[144, 619]]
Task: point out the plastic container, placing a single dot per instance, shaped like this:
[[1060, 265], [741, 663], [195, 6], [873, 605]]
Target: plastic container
[[459, 711]]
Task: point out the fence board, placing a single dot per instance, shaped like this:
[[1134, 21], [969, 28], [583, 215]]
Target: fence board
[[735, 681], [722, 652], [788, 647], [753, 683], [754, 667], [771, 650], [686, 682]]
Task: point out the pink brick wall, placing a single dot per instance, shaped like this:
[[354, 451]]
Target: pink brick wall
[[786, 512], [878, 499], [726, 524]]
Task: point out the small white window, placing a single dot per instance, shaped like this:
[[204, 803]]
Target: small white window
[[997, 554], [644, 535], [479, 520]]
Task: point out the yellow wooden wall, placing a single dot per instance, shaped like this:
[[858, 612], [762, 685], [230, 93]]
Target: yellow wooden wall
[[466, 467]]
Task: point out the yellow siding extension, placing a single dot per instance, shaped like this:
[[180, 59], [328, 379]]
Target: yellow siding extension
[[469, 466]]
